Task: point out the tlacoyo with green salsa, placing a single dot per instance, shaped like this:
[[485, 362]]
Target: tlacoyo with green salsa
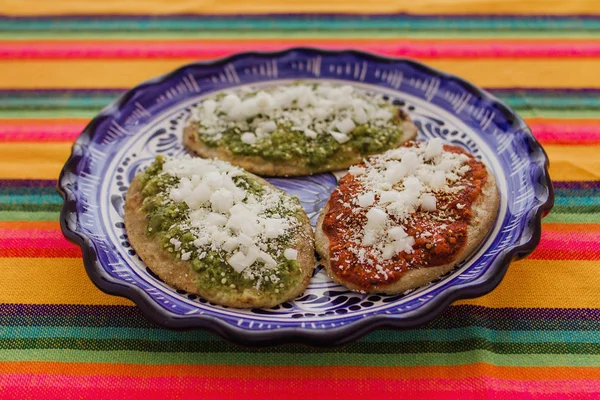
[[313, 127], [237, 233]]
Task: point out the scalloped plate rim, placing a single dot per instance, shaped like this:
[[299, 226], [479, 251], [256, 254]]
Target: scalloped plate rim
[[332, 336]]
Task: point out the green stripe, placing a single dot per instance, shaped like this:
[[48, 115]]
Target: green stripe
[[29, 216], [285, 23], [28, 191], [300, 34], [29, 199], [591, 193], [264, 357], [564, 114], [434, 335], [107, 319], [579, 209], [577, 201], [168, 346], [70, 104], [521, 99], [34, 208], [572, 218]]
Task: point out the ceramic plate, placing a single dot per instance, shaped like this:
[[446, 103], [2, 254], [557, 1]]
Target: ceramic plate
[[148, 120]]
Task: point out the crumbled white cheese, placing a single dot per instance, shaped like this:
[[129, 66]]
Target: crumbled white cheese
[[309, 133], [400, 182], [428, 202], [176, 243], [354, 170], [290, 254], [221, 200], [345, 126], [268, 126], [312, 109], [366, 199], [434, 148], [225, 218], [339, 137], [249, 138]]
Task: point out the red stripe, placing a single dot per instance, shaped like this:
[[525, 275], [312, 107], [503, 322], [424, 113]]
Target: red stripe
[[35, 132], [568, 246], [36, 243], [58, 386], [220, 48], [555, 245], [546, 131], [567, 132]]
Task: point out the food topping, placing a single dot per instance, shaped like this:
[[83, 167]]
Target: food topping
[[233, 230], [309, 121], [407, 207]]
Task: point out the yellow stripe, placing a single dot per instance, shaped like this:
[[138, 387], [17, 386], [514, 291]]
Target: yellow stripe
[[545, 283], [529, 283], [557, 7], [33, 160], [574, 163], [551, 73], [50, 281]]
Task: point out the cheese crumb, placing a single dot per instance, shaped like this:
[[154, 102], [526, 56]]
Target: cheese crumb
[[223, 218], [290, 254], [428, 202], [345, 126], [398, 184], [313, 109], [366, 199], [340, 137], [249, 138]]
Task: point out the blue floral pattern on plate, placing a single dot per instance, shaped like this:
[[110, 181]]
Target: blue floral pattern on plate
[[126, 136]]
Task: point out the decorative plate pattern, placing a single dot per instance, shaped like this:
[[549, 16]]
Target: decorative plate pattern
[[146, 121]]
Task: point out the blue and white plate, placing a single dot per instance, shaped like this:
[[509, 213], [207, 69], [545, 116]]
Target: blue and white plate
[[148, 120]]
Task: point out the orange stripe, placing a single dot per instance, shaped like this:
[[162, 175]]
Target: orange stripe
[[578, 122], [236, 7], [266, 372], [571, 227], [28, 225]]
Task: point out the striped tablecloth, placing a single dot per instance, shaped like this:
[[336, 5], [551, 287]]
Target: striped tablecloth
[[536, 336]]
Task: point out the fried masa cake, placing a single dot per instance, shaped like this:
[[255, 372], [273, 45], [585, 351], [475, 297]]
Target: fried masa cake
[[406, 217], [296, 129], [209, 228]]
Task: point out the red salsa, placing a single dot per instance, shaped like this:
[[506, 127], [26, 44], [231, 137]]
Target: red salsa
[[439, 235]]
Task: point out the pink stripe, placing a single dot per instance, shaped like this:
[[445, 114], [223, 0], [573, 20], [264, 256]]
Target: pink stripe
[[588, 241], [57, 386], [37, 132], [546, 132], [31, 234], [565, 133], [568, 246], [24, 241], [49, 243], [204, 49]]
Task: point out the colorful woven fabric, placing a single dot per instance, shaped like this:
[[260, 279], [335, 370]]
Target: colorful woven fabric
[[536, 336]]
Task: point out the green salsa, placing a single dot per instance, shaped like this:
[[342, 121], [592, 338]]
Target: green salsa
[[289, 142], [168, 221], [285, 144]]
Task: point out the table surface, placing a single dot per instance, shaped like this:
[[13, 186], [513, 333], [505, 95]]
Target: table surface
[[536, 336]]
